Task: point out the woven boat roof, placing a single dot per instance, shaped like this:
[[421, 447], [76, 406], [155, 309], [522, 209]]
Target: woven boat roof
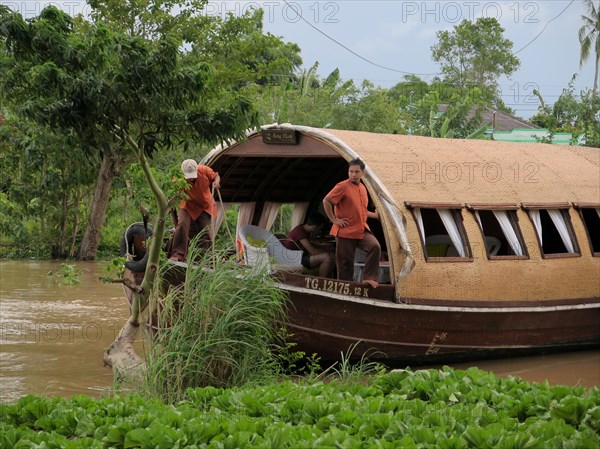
[[422, 169]]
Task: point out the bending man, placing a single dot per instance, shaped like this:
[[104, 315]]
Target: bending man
[[314, 254], [346, 207], [196, 211]]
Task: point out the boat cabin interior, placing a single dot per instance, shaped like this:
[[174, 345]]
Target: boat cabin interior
[[265, 176]]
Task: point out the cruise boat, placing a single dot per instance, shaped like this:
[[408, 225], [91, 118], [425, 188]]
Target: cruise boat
[[490, 249]]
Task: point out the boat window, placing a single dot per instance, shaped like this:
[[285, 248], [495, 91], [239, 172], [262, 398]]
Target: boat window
[[501, 233], [554, 231], [442, 232], [591, 220]]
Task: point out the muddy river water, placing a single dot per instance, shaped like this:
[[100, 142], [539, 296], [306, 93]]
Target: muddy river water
[[52, 336]]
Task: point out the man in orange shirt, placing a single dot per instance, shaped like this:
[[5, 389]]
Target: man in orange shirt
[[346, 207], [196, 211]]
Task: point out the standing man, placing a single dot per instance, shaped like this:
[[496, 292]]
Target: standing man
[[346, 207], [196, 211]]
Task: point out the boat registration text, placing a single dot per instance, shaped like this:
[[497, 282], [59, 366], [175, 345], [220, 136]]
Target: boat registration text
[[332, 286]]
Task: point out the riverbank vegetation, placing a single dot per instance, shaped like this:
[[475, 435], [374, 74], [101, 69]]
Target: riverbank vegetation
[[441, 409], [219, 328]]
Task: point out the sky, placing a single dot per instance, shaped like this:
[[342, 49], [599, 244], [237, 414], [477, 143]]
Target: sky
[[383, 40]]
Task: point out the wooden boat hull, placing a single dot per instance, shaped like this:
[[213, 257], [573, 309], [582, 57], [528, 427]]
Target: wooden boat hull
[[329, 324], [335, 318]]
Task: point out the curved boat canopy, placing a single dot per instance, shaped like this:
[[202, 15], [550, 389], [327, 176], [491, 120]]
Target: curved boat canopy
[[409, 168]]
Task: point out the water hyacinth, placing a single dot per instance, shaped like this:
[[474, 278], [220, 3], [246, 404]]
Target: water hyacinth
[[462, 409]]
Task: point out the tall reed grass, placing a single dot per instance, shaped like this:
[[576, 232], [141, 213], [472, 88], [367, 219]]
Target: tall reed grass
[[219, 327]]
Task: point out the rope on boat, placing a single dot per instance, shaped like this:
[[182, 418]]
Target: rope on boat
[[214, 219], [225, 219]]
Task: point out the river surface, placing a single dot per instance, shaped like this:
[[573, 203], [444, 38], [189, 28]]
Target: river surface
[[52, 336]]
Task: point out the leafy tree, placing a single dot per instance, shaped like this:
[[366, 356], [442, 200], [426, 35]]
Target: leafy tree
[[368, 108], [145, 18], [475, 53], [411, 89], [304, 99], [227, 48], [589, 37], [45, 191], [331, 103], [237, 44], [415, 88], [67, 69], [571, 113], [420, 104], [110, 88], [409, 107]]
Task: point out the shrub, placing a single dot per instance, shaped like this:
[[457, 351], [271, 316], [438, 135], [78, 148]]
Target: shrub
[[218, 328]]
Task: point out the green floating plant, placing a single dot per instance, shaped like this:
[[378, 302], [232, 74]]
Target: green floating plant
[[67, 274], [398, 409]]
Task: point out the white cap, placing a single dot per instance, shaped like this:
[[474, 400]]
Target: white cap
[[189, 169]]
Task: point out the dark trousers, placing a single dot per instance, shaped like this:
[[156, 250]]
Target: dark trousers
[[186, 230], [346, 250]]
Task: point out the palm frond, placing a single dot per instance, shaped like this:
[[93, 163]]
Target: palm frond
[[589, 31]]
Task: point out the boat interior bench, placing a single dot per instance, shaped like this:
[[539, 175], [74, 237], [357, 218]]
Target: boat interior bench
[[262, 248]]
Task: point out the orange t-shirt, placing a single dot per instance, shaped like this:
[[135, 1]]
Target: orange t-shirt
[[349, 201], [200, 196]]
